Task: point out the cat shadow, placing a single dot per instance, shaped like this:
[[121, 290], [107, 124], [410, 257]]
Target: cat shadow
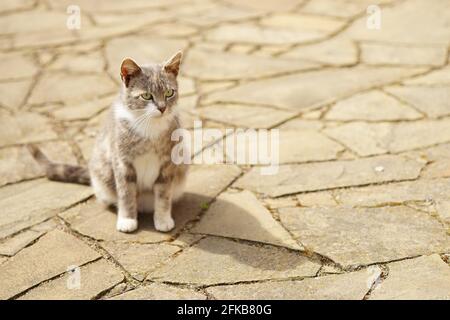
[[239, 236]]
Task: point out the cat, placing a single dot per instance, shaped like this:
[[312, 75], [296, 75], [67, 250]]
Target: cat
[[131, 166]]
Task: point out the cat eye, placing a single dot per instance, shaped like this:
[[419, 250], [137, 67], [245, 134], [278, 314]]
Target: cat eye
[[169, 93], [147, 96]]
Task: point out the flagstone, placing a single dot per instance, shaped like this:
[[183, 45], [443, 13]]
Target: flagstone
[[251, 34], [207, 65], [140, 259], [245, 115], [215, 261], [362, 236], [311, 89], [95, 278], [157, 291], [381, 54], [66, 88], [349, 286], [242, 216], [371, 106], [422, 278], [24, 127], [51, 256], [433, 101], [336, 52], [13, 94], [44, 199], [292, 179], [379, 138]]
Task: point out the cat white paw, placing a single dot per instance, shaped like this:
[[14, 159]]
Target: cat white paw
[[126, 224], [164, 223]]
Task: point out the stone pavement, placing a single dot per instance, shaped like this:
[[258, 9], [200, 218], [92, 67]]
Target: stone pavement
[[360, 207]]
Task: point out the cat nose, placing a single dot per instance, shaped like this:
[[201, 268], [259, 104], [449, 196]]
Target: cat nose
[[162, 109]]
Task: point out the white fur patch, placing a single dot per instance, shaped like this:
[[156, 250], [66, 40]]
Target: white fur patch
[[126, 224], [147, 168]]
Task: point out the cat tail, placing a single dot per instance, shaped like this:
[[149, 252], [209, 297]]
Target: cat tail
[[59, 171]]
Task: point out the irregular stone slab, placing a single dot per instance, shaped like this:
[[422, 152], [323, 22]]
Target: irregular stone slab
[[312, 199], [371, 106], [139, 259], [11, 246], [276, 203], [329, 175], [395, 193], [337, 8], [312, 89], [351, 236], [208, 65], [95, 278], [16, 66], [433, 14], [303, 146], [62, 87], [242, 216], [302, 124], [17, 164], [348, 286], [44, 199], [33, 21], [116, 7], [215, 260], [423, 278], [252, 34], [84, 110], [186, 86], [24, 127], [381, 54], [15, 5], [379, 138], [244, 115], [433, 101], [293, 146], [336, 52], [52, 255], [298, 21], [204, 183], [157, 291], [85, 62], [143, 49], [282, 5], [439, 158], [12, 94], [209, 14], [437, 77], [429, 195]]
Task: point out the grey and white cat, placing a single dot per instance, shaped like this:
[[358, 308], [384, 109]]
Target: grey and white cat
[[131, 165]]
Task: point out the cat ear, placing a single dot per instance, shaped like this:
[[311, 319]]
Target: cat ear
[[173, 64], [128, 69]]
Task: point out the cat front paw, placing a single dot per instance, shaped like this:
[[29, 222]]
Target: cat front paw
[[164, 223], [126, 224]]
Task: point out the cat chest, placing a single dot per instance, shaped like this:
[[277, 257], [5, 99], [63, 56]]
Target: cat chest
[[147, 168]]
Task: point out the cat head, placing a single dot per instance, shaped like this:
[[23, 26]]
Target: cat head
[[150, 89]]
